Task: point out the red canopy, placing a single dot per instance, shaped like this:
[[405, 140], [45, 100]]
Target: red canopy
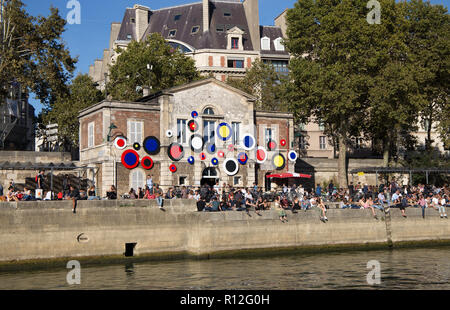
[[288, 175]]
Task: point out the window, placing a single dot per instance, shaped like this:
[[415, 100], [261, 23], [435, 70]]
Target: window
[[323, 142], [278, 45], [182, 181], [220, 29], [280, 66], [302, 143], [195, 29], [236, 181], [234, 43], [133, 20], [235, 63], [181, 131], [236, 132], [172, 33], [265, 43], [135, 132], [209, 132], [268, 135], [91, 134], [177, 17], [129, 36], [208, 111], [137, 179], [227, 14]]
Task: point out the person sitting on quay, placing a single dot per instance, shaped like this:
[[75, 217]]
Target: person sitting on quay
[[281, 213], [91, 194], [132, 194], [112, 193], [74, 196], [323, 209]]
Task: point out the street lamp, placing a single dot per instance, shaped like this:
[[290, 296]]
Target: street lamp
[[111, 127]]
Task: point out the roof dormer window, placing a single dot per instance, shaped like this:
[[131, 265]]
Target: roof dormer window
[[172, 33], [265, 43], [278, 44], [195, 29], [177, 17]]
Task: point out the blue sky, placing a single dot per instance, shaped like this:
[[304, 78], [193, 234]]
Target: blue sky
[[88, 39]]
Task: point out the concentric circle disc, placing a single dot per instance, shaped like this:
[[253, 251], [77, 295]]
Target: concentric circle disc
[[221, 154], [215, 161], [248, 142], [261, 155], [292, 155], [191, 160], [175, 152], [193, 125], [224, 131], [197, 143], [136, 146], [283, 142], [242, 158], [147, 163], [169, 133], [120, 142], [279, 161], [211, 148], [202, 156], [271, 145], [173, 168], [231, 166], [194, 114], [151, 145], [130, 159]]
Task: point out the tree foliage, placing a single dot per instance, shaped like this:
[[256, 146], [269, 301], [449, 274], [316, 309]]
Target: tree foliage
[[129, 74], [263, 82], [82, 94], [32, 52]]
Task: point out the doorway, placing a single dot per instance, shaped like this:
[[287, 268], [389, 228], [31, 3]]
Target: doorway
[[210, 176]]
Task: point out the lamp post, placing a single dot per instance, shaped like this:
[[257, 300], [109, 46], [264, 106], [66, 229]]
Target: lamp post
[[111, 127]]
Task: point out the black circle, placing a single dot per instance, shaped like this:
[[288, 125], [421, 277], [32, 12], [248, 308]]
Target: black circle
[[136, 146], [230, 166], [151, 141]]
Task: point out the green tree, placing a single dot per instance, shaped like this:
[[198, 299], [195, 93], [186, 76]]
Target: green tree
[[32, 52], [331, 42], [263, 82], [428, 39], [169, 67], [82, 94]]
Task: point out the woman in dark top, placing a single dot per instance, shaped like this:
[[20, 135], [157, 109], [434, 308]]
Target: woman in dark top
[[112, 194], [296, 206]]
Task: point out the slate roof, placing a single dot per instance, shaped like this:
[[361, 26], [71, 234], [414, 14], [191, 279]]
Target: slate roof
[[272, 33], [128, 28]]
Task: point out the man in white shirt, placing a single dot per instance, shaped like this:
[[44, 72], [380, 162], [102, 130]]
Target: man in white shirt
[[149, 183], [442, 211]]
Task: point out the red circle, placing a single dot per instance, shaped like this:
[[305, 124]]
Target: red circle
[[121, 143], [144, 165], [176, 151], [202, 156], [130, 165], [231, 148], [283, 142], [173, 168], [221, 154], [272, 145], [260, 155]]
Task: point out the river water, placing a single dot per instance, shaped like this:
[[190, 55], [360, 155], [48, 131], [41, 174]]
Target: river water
[[420, 268]]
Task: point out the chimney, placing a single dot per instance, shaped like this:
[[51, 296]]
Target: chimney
[[205, 15], [251, 8], [142, 13]]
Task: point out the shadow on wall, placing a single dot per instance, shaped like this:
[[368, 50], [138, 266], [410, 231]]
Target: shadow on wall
[[303, 167], [58, 181]]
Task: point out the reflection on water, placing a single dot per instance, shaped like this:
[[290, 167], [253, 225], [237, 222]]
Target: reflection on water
[[400, 269]]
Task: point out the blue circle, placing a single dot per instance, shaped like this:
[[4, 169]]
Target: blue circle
[[249, 142], [130, 159], [242, 161], [152, 145], [191, 160], [194, 114], [214, 161]]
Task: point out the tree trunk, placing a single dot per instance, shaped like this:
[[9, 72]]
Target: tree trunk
[[428, 142], [342, 162], [386, 151]]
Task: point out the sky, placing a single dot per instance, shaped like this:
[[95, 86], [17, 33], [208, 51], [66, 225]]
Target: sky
[[88, 39]]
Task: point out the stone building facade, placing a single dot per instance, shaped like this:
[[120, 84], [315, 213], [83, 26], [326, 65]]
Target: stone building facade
[[216, 103]]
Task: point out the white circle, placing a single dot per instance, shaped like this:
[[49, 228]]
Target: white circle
[[292, 153], [265, 155], [197, 143], [116, 140], [251, 146], [169, 134], [231, 173]]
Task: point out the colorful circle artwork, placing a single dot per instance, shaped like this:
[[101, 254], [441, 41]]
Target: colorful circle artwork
[[120, 142], [292, 155], [194, 114], [191, 160], [169, 133], [175, 152], [173, 168], [279, 161], [224, 131], [283, 142], [211, 148], [197, 143], [203, 156], [242, 158], [249, 142], [261, 155], [231, 166], [193, 125], [271, 145], [231, 148], [214, 161], [221, 154], [130, 159], [147, 163], [152, 145], [136, 146]]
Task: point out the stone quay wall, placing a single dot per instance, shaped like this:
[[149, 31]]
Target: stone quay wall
[[31, 231]]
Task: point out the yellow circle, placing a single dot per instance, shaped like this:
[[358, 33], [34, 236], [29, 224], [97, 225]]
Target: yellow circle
[[224, 131], [278, 161]]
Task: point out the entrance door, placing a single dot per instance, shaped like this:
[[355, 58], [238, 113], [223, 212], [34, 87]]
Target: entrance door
[[209, 176]]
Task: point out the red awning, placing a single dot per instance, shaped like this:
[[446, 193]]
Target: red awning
[[288, 175]]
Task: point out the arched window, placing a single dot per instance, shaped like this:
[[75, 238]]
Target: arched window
[[265, 43], [278, 44], [181, 47], [137, 179], [208, 111]]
